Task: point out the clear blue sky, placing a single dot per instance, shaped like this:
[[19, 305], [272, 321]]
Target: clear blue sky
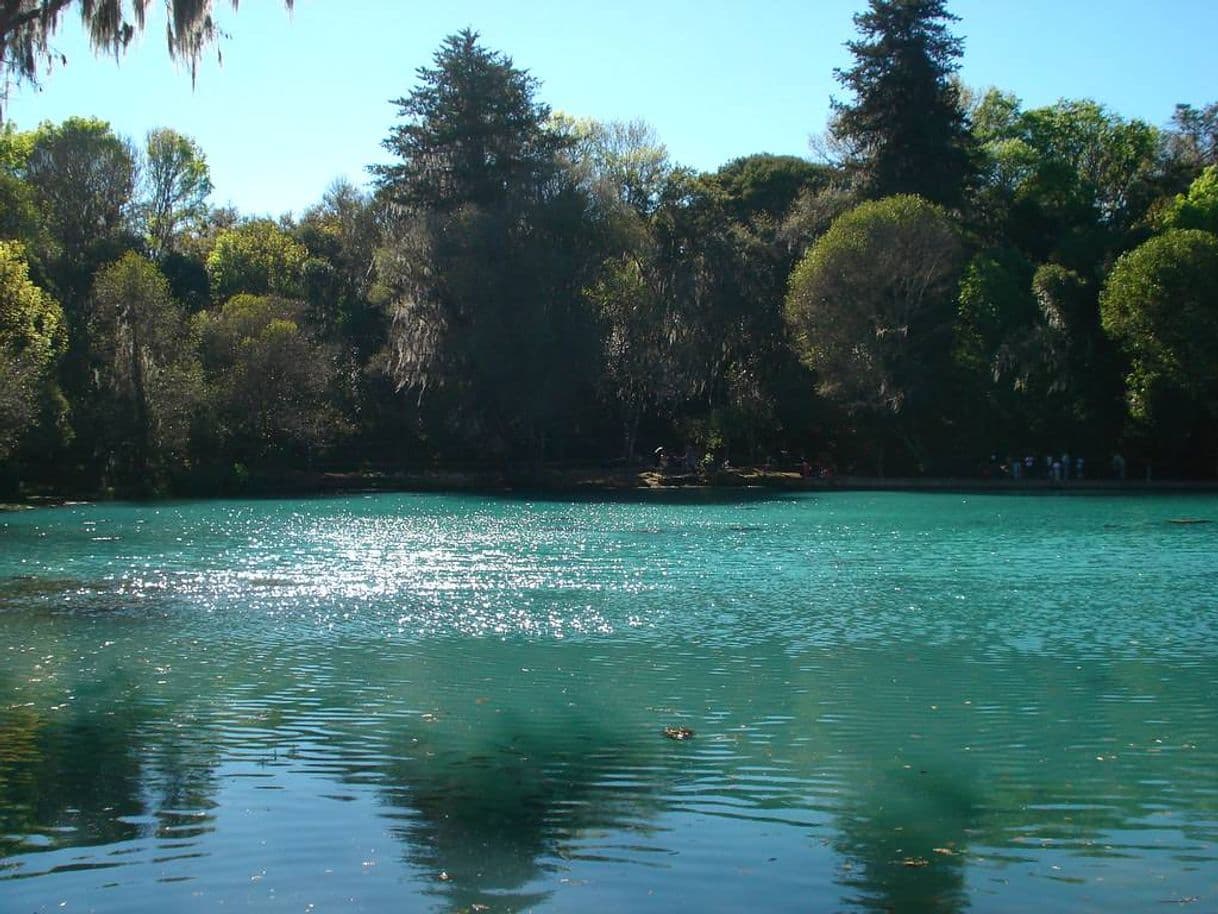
[[302, 99]]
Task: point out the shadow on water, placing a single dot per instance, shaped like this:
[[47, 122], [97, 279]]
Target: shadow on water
[[496, 780], [94, 773], [86, 759], [941, 787], [503, 771], [23, 586], [492, 821], [908, 852]]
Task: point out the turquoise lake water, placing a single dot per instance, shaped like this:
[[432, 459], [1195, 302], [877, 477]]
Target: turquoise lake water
[[900, 702]]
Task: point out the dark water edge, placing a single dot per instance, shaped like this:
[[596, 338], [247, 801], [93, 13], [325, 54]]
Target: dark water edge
[[611, 481]]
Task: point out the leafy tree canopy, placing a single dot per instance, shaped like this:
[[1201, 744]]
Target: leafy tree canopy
[[15, 148], [765, 185], [20, 217], [1197, 209], [619, 161], [257, 257], [32, 337], [270, 383], [870, 305], [31, 321], [83, 176], [1160, 304], [175, 183], [1069, 165], [1193, 138], [145, 367]]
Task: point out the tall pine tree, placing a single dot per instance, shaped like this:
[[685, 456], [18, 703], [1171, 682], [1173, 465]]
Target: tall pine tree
[[905, 132], [488, 249], [473, 133]]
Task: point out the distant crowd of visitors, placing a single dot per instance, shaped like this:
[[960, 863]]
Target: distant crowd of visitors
[[1050, 467]]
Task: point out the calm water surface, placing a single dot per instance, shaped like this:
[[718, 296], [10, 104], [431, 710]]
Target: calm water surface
[[456, 703]]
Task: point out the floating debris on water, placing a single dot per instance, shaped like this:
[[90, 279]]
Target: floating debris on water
[[678, 732]]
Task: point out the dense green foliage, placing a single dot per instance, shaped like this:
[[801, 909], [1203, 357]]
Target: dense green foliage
[[1197, 209], [1160, 304], [971, 280], [176, 184], [145, 370], [871, 313], [256, 256], [488, 250], [31, 339], [269, 383]]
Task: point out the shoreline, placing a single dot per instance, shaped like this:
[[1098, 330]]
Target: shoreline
[[614, 481], [592, 480]]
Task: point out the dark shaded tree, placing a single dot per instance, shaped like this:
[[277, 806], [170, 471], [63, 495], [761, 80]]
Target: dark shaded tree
[[765, 187], [871, 312], [83, 177], [341, 234], [489, 249], [473, 133], [269, 386], [146, 372], [905, 132], [1193, 136], [1033, 364]]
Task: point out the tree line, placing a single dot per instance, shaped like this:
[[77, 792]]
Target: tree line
[[960, 276]]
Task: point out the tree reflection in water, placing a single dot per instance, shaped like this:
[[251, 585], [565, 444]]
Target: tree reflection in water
[[491, 817], [99, 772]]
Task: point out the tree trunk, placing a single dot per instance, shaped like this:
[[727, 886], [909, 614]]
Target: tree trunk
[[140, 398], [630, 433]]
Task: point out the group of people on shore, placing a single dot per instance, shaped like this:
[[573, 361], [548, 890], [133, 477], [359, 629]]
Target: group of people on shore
[[1051, 468], [685, 462], [1048, 467], [691, 460]]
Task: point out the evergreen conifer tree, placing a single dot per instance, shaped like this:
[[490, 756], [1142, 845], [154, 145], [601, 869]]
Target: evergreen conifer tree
[[906, 131]]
